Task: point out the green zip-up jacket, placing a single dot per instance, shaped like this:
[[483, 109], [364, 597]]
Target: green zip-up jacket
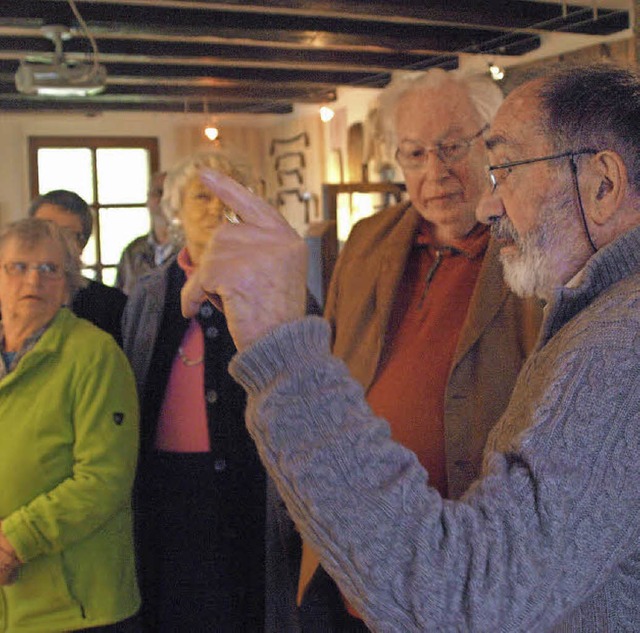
[[68, 447]]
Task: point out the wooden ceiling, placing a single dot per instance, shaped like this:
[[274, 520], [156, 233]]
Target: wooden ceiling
[[264, 57]]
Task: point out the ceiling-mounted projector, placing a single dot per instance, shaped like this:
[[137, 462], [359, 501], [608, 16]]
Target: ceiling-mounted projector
[[60, 77], [61, 80]]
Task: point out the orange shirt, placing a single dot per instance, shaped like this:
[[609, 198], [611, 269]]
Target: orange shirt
[[425, 323], [426, 320]]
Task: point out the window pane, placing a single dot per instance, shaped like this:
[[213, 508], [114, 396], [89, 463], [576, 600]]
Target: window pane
[[109, 276], [118, 227], [123, 175], [65, 168]]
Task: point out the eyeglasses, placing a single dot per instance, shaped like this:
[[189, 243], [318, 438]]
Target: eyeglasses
[[46, 270], [414, 155], [495, 181]]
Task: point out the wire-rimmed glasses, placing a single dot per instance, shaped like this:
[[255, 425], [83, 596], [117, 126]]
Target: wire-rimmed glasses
[[414, 155], [46, 270], [571, 155], [495, 181]]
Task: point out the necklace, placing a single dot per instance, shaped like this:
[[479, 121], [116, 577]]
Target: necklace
[[189, 362]]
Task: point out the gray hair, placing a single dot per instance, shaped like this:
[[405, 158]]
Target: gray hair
[[178, 177], [484, 94], [32, 231], [594, 106]]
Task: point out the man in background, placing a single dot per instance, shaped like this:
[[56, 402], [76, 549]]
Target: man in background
[[96, 302], [418, 307], [147, 252]]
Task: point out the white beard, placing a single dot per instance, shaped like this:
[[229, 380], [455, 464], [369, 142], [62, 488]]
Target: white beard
[[531, 270], [527, 272]]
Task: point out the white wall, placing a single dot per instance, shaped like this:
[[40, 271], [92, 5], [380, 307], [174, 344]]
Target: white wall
[[178, 135]]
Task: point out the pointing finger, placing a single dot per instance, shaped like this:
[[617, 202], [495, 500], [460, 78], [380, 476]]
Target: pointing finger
[[250, 207]]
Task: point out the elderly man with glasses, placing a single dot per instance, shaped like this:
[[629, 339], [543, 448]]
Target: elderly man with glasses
[[417, 304], [548, 538]]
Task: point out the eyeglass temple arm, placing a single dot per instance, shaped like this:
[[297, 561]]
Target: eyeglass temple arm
[[576, 182]]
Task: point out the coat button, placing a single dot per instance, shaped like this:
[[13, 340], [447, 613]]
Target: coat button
[[206, 310], [220, 464], [211, 332], [211, 396]]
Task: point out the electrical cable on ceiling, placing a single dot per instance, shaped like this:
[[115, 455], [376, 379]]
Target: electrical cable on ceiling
[[92, 40]]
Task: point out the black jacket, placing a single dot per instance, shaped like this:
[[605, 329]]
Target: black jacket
[[103, 306]]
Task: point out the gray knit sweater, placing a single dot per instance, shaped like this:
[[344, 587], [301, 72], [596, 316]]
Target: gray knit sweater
[[547, 540]]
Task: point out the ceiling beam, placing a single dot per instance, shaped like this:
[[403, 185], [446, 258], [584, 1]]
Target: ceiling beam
[[265, 76], [17, 102], [419, 42], [185, 54], [497, 14], [199, 91]]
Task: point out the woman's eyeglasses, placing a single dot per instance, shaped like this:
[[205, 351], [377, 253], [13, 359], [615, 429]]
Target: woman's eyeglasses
[[46, 270]]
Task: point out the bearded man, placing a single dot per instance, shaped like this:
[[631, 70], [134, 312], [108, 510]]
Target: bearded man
[[548, 538]]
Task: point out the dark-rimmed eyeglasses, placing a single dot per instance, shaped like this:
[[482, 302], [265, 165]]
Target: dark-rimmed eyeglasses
[[571, 155], [414, 155], [495, 181], [46, 270]]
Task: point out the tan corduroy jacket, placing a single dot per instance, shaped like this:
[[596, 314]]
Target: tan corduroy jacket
[[498, 333]]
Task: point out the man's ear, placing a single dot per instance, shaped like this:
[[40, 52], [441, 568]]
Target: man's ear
[[607, 186]]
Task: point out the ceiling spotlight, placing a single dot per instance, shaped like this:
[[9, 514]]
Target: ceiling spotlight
[[496, 72], [326, 114], [211, 132]]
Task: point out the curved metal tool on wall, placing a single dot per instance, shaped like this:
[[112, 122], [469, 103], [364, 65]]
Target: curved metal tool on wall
[[299, 156], [283, 173], [303, 136], [302, 196]]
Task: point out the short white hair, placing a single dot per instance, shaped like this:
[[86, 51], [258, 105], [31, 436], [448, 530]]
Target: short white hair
[[178, 177], [483, 92]]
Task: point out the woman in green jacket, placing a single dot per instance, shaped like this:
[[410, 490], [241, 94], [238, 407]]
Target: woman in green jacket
[[69, 429]]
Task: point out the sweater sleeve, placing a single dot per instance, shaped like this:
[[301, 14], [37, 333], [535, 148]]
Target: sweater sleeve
[[529, 542], [105, 424]]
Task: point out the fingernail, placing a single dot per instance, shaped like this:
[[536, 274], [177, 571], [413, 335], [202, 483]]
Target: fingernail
[[208, 175]]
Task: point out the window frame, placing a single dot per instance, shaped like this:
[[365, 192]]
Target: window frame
[[93, 143]]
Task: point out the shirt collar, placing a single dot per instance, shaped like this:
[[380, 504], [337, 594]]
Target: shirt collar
[[28, 344], [472, 245], [185, 263]]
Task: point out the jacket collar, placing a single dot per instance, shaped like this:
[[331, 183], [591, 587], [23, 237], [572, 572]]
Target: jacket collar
[[48, 343], [486, 300], [394, 254], [470, 246]]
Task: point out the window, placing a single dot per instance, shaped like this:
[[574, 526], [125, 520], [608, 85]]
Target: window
[[112, 175]]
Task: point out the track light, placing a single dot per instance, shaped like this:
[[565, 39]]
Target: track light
[[326, 114]]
